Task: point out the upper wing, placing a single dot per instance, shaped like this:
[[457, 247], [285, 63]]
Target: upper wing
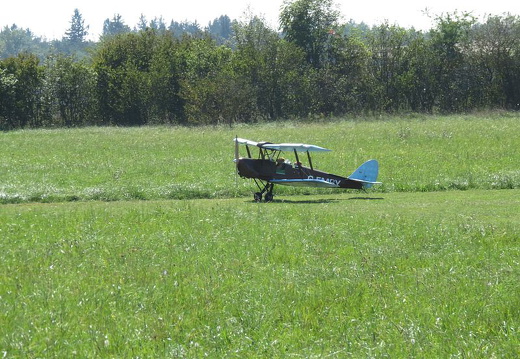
[[299, 147], [243, 141]]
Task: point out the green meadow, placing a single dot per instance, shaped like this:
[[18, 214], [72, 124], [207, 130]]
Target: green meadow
[[421, 153], [140, 242]]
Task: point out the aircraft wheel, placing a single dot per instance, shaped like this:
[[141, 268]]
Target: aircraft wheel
[[268, 197], [258, 196]]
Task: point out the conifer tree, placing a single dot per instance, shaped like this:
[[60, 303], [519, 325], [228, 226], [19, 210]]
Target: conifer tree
[[77, 32]]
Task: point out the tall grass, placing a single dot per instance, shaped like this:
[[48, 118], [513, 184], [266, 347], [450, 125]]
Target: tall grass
[[415, 154], [399, 272], [401, 275]]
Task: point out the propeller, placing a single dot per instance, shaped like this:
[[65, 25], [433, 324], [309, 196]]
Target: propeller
[[236, 160], [236, 151]]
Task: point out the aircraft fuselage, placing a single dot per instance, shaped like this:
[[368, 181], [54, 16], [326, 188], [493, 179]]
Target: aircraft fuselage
[[269, 170]]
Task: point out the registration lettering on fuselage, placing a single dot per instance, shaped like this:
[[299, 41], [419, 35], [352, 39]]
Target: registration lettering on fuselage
[[330, 180]]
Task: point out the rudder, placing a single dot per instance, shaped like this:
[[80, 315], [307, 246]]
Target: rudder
[[366, 173]]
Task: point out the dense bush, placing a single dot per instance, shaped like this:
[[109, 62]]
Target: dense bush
[[154, 76]]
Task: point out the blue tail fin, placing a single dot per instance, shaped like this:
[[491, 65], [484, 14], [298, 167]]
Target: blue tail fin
[[366, 173]]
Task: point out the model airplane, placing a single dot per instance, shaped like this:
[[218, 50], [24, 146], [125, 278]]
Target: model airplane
[[269, 168]]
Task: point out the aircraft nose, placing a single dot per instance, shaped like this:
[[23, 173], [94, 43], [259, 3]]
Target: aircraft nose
[[243, 168], [240, 164]]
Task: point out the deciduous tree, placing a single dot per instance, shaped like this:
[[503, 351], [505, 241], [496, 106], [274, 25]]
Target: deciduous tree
[[309, 24]]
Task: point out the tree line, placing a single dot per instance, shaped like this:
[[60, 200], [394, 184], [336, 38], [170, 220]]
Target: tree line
[[313, 66]]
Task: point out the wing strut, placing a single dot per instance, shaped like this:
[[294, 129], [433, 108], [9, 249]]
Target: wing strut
[[310, 161], [296, 155], [298, 163]]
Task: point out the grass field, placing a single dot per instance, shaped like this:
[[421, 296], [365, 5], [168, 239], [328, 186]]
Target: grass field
[[409, 274], [425, 266]]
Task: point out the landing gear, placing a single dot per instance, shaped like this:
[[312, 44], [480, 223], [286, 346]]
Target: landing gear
[[267, 189]]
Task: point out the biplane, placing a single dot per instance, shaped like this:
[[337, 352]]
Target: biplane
[[269, 168]]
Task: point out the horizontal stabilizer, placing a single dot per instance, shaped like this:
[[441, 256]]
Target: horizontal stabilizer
[[305, 183]]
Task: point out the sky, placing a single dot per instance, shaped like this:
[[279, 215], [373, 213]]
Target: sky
[[50, 19]]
